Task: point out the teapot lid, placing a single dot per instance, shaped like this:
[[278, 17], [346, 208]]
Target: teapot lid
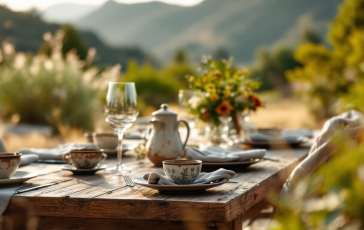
[[164, 111]]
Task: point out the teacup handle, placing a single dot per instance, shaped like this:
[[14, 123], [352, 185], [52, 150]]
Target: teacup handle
[[66, 157], [188, 131], [104, 157]]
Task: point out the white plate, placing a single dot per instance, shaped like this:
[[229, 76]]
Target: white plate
[[236, 163], [18, 177], [261, 144], [178, 189], [83, 171]]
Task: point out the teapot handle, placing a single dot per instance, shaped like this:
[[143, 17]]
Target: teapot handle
[[188, 131]]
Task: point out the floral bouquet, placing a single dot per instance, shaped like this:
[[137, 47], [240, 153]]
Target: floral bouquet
[[225, 91]]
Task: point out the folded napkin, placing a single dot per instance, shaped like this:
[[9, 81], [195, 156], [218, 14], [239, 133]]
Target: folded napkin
[[5, 196], [214, 154], [350, 124], [56, 153], [28, 159], [202, 178]]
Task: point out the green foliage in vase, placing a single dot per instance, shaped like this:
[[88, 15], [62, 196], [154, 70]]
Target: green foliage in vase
[[328, 74], [224, 91], [331, 198]]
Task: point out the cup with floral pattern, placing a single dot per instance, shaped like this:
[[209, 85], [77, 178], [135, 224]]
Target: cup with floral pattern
[[182, 171]]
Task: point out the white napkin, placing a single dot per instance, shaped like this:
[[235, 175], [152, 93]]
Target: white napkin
[[5, 196], [202, 178], [214, 154], [2, 147], [28, 159], [56, 153]]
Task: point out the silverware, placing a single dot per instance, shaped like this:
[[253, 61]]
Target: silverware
[[270, 159], [232, 181], [128, 181], [34, 188]]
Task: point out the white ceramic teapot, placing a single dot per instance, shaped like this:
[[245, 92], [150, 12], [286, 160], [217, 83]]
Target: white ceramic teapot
[[164, 142]]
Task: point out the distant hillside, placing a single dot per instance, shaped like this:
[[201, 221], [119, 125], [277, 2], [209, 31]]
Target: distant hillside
[[240, 26], [25, 31], [67, 12]]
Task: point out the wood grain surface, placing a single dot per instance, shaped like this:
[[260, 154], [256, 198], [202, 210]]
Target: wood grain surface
[[105, 195]]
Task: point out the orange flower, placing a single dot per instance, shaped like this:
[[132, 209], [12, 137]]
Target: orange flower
[[204, 114], [224, 108], [256, 100]]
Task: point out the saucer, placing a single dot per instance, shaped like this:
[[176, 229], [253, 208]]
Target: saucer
[[231, 165], [18, 177], [178, 189], [83, 171]]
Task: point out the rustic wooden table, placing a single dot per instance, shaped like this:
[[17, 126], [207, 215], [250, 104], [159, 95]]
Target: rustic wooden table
[[103, 201]]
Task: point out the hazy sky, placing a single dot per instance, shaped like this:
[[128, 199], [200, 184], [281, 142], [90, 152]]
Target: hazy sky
[[42, 4]]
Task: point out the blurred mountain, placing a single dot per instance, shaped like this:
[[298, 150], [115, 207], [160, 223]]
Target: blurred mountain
[[239, 26], [25, 30], [67, 12]]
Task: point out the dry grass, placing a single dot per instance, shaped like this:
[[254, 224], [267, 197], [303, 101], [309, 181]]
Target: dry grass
[[285, 114]]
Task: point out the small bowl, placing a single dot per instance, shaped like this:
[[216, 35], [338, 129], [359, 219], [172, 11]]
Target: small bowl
[[272, 132], [9, 163], [105, 140], [182, 171]]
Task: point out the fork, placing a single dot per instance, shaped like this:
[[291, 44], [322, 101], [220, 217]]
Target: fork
[[128, 181]]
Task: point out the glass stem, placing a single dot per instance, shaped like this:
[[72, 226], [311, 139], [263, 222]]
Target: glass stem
[[120, 147]]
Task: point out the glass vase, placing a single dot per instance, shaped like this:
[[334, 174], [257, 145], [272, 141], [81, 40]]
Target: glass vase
[[218, 135]]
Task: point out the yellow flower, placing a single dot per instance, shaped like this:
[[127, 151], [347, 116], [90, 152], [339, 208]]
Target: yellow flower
[[224, 108], [227, 93], [245, 72], [214, 96], [209, 87]]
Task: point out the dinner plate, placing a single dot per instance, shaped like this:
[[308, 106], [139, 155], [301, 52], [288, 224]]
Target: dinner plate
[[83, 171], [178, 189], [274, 144], [18, 177], [230, 165]]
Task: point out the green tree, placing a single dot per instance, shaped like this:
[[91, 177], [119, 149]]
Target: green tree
[[72, 40], [152, 87], [179, 69], [327, 74], [310, 35], [271, 68]]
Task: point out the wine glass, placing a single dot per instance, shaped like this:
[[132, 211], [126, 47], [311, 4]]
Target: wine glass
[[120, 112]]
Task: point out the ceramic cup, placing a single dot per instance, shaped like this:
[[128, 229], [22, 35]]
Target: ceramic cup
[[9, 163], [85, 158], [182, 171], [105, 140]]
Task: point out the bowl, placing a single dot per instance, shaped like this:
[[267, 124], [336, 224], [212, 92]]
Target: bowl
[[105, 140], [9, 163], [272, 132], [182, 171]]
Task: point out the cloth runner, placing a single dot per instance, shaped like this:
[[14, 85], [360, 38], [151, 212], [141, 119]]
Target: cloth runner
[[56, 153], [214, 154], [202, 178], [350, 123]]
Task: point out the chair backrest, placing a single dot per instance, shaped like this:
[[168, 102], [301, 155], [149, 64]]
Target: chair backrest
[[349, 123]]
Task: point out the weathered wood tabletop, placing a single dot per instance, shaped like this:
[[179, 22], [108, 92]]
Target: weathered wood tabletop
[[103, 201]]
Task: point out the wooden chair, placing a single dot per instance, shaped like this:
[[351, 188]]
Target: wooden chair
[[350, 123]]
